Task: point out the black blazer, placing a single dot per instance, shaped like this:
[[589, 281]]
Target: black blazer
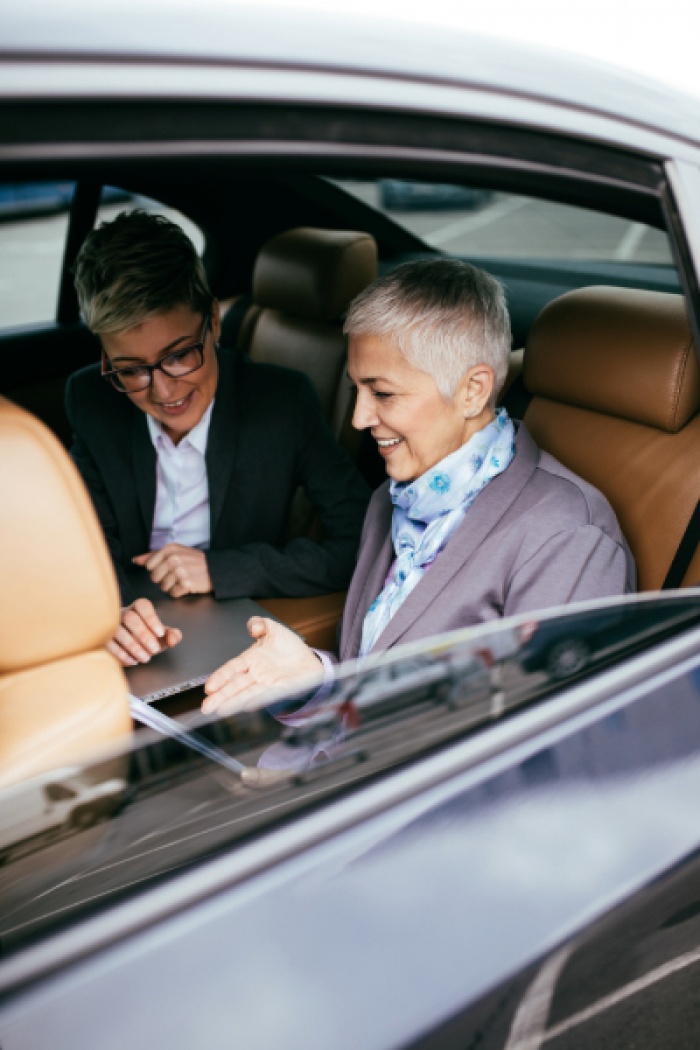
[[266, 438]]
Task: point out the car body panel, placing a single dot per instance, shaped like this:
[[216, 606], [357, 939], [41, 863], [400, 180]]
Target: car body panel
[[221, 35], [57, 79], [504, 839]]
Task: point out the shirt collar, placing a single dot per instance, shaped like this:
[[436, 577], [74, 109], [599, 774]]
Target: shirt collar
[[197, 437]]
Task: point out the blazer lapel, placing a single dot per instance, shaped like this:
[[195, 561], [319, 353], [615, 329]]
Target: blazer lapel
[[143, 460], [481, 518], [221, 443], [376, 556]]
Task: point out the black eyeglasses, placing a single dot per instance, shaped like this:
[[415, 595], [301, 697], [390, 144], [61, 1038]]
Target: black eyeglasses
[[175, 364]]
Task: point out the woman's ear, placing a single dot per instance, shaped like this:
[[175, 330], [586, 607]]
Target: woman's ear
[[476, 390]]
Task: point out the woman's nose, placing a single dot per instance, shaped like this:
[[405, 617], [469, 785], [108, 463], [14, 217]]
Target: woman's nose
[[162, 385], [364, 415]]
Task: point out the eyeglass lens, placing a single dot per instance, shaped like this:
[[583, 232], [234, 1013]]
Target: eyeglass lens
[[177, 364]]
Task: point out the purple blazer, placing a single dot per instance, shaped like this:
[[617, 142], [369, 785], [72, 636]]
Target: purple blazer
[[537, 536]]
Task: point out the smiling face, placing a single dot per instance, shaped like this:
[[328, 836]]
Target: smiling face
[[413, 424], [176, 403]]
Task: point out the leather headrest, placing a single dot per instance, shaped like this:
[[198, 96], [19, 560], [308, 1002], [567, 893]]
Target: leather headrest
[[619, 351], [59, 592], [314, 273]]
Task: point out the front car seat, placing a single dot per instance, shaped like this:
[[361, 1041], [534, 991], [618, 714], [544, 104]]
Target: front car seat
[[63, 697]]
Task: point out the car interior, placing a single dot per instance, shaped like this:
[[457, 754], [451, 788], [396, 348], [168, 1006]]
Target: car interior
[[604, 372], [62, 695]]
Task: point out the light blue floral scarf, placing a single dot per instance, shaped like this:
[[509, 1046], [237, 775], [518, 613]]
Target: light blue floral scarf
[[428, 510]]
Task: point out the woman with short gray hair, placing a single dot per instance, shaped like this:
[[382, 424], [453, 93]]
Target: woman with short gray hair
[[475, 522], [442, 314]]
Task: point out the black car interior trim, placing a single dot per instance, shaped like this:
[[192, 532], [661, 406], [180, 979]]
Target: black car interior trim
[[86, 198]]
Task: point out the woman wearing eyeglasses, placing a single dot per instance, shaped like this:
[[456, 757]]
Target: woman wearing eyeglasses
[[192, 454]]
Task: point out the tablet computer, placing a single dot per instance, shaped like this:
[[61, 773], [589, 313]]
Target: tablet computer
[[212, 633]]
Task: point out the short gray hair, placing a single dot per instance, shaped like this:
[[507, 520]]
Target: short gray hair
[[135, 267], [443, 314]]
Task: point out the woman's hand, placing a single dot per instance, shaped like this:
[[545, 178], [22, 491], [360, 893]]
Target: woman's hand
[[278, 661], [141, 635], [177, 570]]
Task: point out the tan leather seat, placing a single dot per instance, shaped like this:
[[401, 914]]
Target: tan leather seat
[[303, 282], [616, 391], [62, 696]]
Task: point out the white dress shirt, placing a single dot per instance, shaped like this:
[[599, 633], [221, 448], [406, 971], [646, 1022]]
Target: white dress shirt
[[182, 489]]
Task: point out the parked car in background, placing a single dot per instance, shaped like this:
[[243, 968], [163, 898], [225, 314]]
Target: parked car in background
[[404, 193], [500, 847], [567, 645], [23, 200], [59, 801], [28, 198]]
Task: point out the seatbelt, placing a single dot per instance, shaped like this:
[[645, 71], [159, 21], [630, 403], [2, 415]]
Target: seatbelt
[[517, 398], [233, 321], [685, 552]]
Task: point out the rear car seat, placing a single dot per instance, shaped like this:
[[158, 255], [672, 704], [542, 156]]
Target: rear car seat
[[63, 697], [303, 282], [615, 385]]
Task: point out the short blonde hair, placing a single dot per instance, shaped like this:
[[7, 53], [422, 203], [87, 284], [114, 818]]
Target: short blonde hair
[[444, 315], [134, 267]]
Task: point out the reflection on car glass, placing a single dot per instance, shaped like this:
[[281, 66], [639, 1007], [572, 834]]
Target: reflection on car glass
[[73, 840], [406, 704]]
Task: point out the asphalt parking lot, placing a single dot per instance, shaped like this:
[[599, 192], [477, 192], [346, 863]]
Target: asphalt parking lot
[[509, 226], [504, 226]]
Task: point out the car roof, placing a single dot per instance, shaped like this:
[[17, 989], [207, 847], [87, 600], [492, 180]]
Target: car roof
[[218, 33]]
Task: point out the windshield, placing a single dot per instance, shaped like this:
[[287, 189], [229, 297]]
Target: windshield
[[75, 840]]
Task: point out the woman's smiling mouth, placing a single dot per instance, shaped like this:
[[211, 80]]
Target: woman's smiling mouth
[[176, 407], [387, 446]]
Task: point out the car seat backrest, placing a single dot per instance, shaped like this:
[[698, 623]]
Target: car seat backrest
[[615, 386], [303, 282], [62, 695]]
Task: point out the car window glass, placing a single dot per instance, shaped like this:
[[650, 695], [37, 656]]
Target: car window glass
[[114, 200], [157, 810], [474, 222], [33, 227]]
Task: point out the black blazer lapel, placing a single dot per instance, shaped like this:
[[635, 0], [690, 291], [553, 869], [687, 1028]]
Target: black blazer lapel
[[222, 440], [143, 461], [482, 517]]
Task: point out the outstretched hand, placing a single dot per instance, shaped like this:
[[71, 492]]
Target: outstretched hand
[[278, 661]]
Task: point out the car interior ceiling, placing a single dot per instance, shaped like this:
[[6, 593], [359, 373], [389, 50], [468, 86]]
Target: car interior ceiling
[[243, 209]]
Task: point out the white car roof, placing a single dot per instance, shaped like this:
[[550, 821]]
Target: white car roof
[[262, 37]]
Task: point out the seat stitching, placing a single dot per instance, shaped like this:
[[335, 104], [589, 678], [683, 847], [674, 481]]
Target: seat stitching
[[680, 375]]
